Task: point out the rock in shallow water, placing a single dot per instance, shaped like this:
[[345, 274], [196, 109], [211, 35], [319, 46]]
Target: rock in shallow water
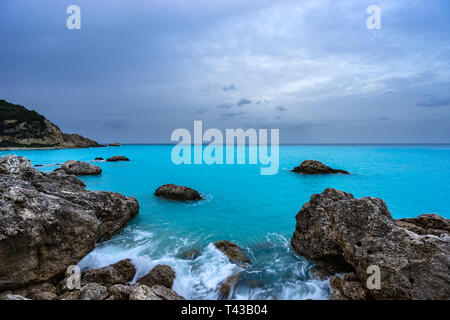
[[49, 221], [316, 167], [80, 168], [117, 158], [177, 193], [345, 234], [161, 275]]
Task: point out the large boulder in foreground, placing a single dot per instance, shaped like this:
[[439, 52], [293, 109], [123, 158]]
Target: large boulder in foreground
[[80, 168], [316, 167], [177, 193], [49, 221], [344, 234]]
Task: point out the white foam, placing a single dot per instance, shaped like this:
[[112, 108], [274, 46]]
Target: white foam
[[283, 274]]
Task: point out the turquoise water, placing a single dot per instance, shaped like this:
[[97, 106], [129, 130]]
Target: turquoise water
[[257, 212]]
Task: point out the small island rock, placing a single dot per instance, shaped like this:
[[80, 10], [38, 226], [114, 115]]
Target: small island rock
[[316, 167], [177, 193]]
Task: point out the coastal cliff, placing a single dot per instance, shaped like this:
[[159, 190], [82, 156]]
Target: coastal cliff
[[23, 128]]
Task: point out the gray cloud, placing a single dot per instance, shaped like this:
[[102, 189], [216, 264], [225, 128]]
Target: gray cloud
[[225, 106], [281, 109], [434, 102], [116, 124], [230, 115], [243, 101], [231, 87]]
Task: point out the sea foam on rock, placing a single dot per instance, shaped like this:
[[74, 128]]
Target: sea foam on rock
[[49, 221], [347, 235]]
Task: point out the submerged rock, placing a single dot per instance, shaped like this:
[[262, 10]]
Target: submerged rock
[[161, 274], [177, 193], [232, 251], [80, 168], [344, 234], [316, 167], [190, 254], [49, 221], [237, 256], [117, 158]]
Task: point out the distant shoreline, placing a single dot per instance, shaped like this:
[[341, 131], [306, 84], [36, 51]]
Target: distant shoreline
[[281, 144], [41, 148]]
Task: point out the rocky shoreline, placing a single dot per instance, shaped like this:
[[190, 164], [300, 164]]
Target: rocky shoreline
[[49, 222], [358, 236]]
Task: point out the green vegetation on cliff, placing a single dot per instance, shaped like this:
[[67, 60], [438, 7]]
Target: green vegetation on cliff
[[10, 111]]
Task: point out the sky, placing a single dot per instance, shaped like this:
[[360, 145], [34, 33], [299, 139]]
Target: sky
[[137, 70]]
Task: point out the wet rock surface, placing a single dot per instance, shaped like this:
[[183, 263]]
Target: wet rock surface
[[347, 235], [161, 275]]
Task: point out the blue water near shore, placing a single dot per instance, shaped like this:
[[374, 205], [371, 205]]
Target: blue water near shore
[[257, 212]]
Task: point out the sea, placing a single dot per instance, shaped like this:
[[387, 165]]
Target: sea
[[255, 211]]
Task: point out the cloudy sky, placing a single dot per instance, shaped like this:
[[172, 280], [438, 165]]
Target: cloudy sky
[[139, 69]]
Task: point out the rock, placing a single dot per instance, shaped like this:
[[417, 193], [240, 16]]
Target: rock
[[426, 224], [118, 273], [115, 144], [177, 193], [236, 255], [93, 291], [232, 251], [319, 273], [126, 269], [143, 292], [23, 128], [190, 254], [80, 168], [44, 296], [343, 234], [117, 158], [49, 221], [229, 284], [349, 290], [119, 292], [70, 295], [106, 276], [14, 297], [162, 275], [36, 290], [316, 167], [98, 159]]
